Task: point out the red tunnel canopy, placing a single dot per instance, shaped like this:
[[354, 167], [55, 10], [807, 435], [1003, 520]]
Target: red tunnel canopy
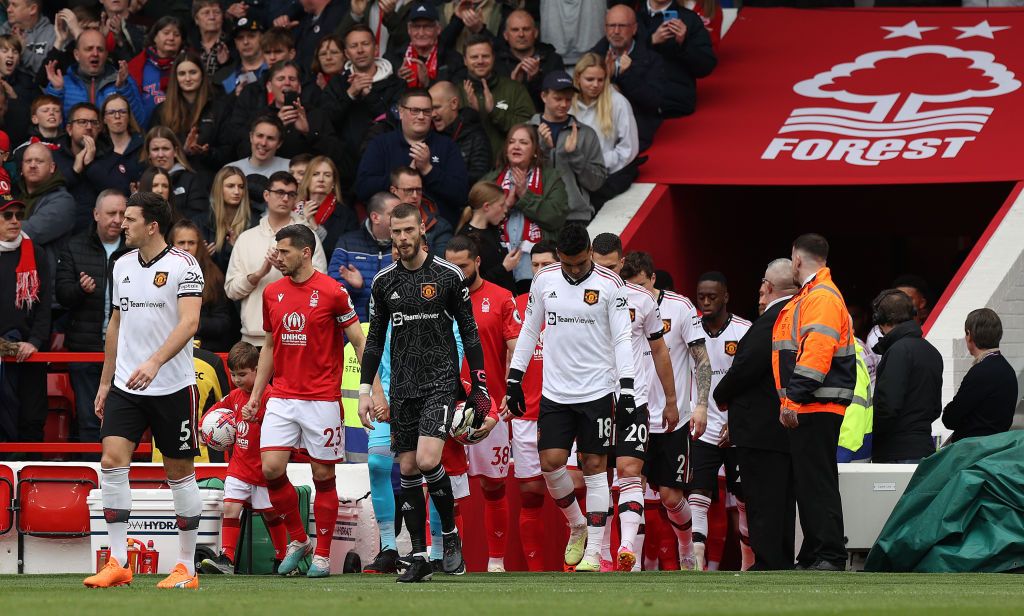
[[855, 97]]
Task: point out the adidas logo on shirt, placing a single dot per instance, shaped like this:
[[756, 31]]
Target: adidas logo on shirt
[[553, 295], [125, 281], [406, 507], [394, 296]]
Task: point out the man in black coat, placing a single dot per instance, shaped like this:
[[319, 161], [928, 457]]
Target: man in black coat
[[685, 46], [463, 126], [83, 287], [908, 383], [638, 71], [519, 55], [987, 398], [364, 91], [307, 128], [748, 392]]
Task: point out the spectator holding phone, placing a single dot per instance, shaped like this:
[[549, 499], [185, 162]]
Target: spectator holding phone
[[678, 35], [249, 66]]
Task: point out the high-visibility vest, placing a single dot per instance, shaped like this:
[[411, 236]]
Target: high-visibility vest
[[814, 359], [350, 384], [855, 433]]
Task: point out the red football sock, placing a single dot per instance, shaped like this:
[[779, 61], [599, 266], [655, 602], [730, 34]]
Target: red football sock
[[278, 533], [229, 537], [325, 514], [496, 521], [668, 551], [531, 532], [652, 521], [286, 502], [458, 520]]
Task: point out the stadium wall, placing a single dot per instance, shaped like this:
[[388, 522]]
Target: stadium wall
[[993, 277]]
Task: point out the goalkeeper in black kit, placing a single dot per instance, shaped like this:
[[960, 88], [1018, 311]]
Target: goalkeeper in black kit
[[418, 296]]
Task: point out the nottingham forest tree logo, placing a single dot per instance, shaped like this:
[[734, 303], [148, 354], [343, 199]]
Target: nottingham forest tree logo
[[912, 103]]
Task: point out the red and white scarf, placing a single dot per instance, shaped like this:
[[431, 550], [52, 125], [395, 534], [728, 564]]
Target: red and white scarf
[[414, 79], [534, 184], [26, 273]]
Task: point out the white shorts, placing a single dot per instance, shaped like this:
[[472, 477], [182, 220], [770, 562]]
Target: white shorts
[[490, 457], [238, 491], [460, 486], [311, 425], [524, 451]]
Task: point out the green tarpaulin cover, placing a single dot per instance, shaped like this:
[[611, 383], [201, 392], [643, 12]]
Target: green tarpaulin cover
[[963, 511]]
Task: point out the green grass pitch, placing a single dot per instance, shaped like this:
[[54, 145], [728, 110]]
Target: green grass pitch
[[529, 595]]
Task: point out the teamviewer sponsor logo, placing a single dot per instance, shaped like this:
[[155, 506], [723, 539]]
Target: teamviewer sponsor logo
[[876, 120]]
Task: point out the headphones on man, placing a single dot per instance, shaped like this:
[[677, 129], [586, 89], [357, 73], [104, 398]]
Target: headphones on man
[[878, 316]]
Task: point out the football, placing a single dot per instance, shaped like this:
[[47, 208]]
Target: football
[[462, 424], [217, 429]]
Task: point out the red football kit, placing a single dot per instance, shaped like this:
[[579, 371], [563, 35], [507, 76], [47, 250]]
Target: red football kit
[[307, 321], [533, 379]]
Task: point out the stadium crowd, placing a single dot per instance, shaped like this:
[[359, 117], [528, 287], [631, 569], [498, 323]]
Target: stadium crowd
[[500, 121]]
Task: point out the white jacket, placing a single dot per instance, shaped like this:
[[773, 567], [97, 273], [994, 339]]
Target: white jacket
[[246, 258], [622, 147]]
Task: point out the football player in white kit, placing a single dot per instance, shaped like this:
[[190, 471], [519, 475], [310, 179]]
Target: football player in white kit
[[722, 331], [588, 353], [668, 454]]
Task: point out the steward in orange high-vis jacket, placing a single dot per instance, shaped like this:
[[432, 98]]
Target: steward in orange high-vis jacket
[[814, 360]]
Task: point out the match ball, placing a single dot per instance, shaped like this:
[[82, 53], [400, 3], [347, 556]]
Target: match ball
[[462, 424], [218, 429]]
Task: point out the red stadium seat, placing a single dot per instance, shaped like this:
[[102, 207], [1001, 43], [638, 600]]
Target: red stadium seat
[[6, 499], [147, 477], [52, 500], [59, 392]]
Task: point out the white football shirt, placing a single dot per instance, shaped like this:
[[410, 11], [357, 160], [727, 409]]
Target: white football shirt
[[681, 328], [645, 325], [146, 294], [587, 339], [721, 347]]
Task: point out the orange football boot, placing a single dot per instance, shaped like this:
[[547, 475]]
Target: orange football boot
[[112, 574], [179, 578]]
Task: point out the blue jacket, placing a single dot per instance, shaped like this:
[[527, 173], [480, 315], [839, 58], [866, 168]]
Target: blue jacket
[[360, 249], [447, 184], [78, 89]]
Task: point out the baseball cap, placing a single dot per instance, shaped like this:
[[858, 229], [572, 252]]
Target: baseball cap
[[5, 142], [424, 10], [558, 80], [246, 24], [8, 201]]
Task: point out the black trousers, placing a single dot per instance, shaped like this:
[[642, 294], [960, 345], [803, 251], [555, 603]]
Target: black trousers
[[813, 447], [771, 505]]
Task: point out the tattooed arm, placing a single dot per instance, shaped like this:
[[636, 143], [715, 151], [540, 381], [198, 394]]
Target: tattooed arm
[[699, 352]]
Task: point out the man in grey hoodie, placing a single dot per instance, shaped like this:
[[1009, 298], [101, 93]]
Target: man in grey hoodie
[[50, 208], [38, 34], [572, 147]]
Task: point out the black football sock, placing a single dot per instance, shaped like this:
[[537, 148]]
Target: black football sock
[[440, 488], [414, 511]]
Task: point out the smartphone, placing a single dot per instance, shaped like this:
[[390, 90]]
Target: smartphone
[[669, 15], [290, 98]]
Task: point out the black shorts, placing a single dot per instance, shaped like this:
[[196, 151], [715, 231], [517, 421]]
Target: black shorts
[[668, 459], [706, 460], [427, 415], [589, 424], [632, 432], [173, 419]]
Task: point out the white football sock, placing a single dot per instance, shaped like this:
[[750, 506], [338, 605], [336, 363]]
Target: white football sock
[[188, 506], [117, 506], [631, 511], [560, 487], [598, 499]]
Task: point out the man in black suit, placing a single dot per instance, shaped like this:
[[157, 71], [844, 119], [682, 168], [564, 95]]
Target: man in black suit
[[747, 391]]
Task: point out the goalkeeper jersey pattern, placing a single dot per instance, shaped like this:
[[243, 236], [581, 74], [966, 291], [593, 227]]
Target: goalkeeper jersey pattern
[[587, 339], [645, 325], [420, 305], [681, 328]]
